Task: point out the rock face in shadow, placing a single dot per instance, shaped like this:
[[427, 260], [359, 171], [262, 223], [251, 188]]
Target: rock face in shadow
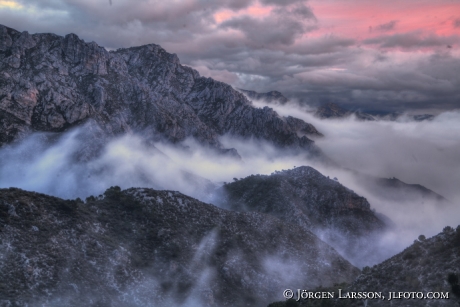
[[51, 83], [142, 247], [304, 197]]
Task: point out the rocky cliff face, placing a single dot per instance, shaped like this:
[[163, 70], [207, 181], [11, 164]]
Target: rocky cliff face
[[304, 197], [141, 247], [51, 83]]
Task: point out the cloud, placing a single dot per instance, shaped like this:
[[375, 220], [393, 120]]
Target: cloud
[[387, 149], [382, 149], [281, 3], [416, 40], [389, 26], [291, 46], [282, 27], [456, 23]]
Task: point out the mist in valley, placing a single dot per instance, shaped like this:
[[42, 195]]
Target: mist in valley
[[425, 153]]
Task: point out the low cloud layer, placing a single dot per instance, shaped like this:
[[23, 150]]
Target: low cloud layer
[[313, 50], [423, 153]]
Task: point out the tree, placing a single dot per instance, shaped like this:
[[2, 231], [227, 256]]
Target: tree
[[452, 279]]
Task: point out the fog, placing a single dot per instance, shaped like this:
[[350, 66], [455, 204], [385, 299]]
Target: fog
[[425, 153]]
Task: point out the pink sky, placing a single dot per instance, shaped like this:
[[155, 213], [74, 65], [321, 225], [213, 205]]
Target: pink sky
[[353, 19]]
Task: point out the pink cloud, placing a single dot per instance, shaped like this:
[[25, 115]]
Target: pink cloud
[[354, 18]]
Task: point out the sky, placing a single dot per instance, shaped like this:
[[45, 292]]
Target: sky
[[377, 56]]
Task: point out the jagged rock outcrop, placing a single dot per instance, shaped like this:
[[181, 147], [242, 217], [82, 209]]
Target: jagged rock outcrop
[[141, 247], [51, 83], [304, 197]]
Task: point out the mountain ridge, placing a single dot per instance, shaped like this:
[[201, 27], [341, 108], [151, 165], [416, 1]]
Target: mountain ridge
[[52, 83], [142, 247]]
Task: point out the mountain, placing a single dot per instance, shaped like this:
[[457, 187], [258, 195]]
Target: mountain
[[422, 267], [397, 190], [332, 110], [427, 267], [142, 247], [416, 117], [52, 83], [272, 96], [304, 197]]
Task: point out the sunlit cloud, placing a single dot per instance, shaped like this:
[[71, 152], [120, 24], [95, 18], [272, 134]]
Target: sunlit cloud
[[10, 4]]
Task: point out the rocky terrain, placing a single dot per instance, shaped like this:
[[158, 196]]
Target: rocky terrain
[[304, 197], [422, 267], [142, 247], [428, 265], [52, 83]]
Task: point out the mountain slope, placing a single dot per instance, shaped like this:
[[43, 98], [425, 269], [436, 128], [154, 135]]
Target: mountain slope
[[304, 197], [141, 247], [51, 83], [422, 267], [428, 268]]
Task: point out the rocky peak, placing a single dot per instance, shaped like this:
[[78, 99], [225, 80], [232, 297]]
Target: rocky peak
[[52, 83], [306, 198]]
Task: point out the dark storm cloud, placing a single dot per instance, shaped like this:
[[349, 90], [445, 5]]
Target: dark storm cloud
[[456, 23], [121, 24], [281, 27], [281, 3], [387, 26], [415, 39]]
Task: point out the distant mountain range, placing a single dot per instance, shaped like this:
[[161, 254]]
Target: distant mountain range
[[332, 110]]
